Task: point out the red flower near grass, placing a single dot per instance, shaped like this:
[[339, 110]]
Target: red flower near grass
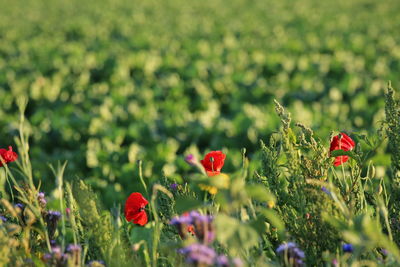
[[344, 142], [213, 162], [134, 209], [7, 155]]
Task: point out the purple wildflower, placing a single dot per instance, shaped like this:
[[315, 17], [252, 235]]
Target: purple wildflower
[[347, 248], [182, 223], [384, 252], [203, 227], [73, 247], [56, 257], [335, 262], [4, 219], [20, 206], [326, 191], [191, 159], [173, 186], [291, 253], [53, 243], [75, 252], [199, 254], [42, 200], [47, 257], [222, 261]]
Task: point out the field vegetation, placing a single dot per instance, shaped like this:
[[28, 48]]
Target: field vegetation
[[203, 133]]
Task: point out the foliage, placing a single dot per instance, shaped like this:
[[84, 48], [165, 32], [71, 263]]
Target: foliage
[[113, 82]]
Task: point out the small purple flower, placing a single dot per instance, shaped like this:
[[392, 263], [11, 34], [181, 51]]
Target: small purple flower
[[41, 199], [181, 220], [56, 250], [222, 261], [384, 252], [173, 186], [20, 206], [199, 254], [203, 227], [347, 248], [47, 257], [75, 253], [53, 215], [182, 223], [191, 160], [335, 262], [56, 257], [326, 191], [291, 253], [74, 247], [4, 219], [286, 246], [53, 243]]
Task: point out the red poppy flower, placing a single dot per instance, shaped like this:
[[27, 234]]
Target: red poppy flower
[[213, 162], [7, 155], [134, 209], [344, 142]]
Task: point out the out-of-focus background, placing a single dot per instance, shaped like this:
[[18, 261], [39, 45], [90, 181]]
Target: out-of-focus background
[[110, 82]]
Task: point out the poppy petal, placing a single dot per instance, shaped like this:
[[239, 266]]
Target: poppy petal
[[134, 209], [213, 161]]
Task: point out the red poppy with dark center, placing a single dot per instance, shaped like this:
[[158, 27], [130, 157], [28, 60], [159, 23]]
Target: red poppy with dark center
[[213, 162], [7, 155], [134, 209], [344, 142]]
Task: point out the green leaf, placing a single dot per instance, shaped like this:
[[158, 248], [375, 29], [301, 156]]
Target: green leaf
[[184, 204], [260, 193], [274, 219]]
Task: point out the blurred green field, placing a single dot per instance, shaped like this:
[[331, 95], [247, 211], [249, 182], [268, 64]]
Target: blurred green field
[[113, 82]]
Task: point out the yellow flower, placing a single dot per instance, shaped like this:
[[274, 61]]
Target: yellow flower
[[220, 181], [271, 204], [210, 189]]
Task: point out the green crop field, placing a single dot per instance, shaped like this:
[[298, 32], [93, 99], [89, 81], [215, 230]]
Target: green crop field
[[102, 99]]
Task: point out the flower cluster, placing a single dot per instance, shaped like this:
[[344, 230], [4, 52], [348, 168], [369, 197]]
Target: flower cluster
[[7, 156], [199, 254], [56, 257], [196, 224], [184, 225], [291, 254], [71, 257], [202, 255]]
